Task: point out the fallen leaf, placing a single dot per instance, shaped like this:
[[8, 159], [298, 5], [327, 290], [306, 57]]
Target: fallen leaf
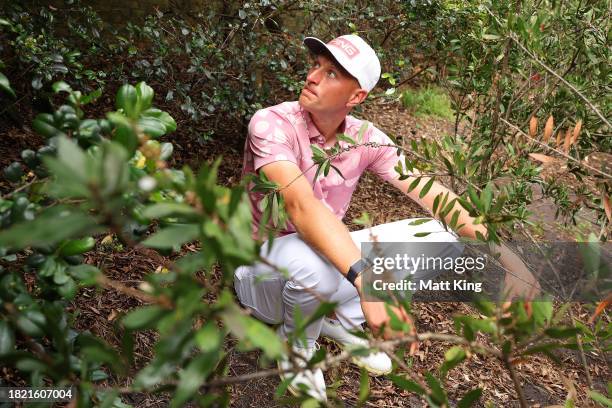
[[542, 157], [112, 316]]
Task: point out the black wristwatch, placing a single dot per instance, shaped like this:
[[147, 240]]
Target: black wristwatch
[[355, 270]]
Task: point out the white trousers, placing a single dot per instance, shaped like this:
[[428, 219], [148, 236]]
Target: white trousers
[[273, 297]]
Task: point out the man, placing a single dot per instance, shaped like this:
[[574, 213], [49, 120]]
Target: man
[[322, 258]]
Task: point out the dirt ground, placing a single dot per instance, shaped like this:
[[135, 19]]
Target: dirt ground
[[544, 383]]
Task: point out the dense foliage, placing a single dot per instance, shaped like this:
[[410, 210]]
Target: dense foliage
[[106, 172]]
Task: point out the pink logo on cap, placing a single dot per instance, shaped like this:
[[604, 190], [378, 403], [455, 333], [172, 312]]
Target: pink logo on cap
[[345, 46]]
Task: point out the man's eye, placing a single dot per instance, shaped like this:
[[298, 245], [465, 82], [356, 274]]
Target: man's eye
[[332, 74]]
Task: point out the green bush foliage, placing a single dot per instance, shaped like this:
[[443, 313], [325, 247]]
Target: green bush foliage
[[106, 171]]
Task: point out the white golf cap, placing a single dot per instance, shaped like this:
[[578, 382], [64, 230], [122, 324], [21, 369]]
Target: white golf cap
[[353, 54]]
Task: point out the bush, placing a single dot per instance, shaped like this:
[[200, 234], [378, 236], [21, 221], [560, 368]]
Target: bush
[[104, 176]]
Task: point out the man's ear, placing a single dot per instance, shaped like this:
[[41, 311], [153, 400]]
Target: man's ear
[[357, 97]]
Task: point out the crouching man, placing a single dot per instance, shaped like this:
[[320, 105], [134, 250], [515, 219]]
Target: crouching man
[[321, 256]]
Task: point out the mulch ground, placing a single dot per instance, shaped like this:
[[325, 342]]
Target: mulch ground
[[97, 310]]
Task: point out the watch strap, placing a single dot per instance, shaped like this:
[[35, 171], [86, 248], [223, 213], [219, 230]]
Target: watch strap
[[355, 270]]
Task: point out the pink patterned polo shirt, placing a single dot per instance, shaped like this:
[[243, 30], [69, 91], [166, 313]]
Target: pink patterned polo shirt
[[286, 131]]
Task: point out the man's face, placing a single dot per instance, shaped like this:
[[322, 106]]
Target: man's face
[[327, 89]]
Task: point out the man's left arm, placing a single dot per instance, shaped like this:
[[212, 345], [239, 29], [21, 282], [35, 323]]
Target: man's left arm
[[382, 161], [519, 281]]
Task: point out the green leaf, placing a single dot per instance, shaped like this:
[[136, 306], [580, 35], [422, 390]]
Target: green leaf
[[92, 96], [71, 155], [124, 131], [253, 331], [487, 197], [77, 246], [127, 99], [145, 317], [49, 228], [362, 130], [474, 198], [61, 86], [166, 151], [319, 169], [419, 221], [173, 235], [32, 323], [407, 384], [192, 377], [436, 203], [209, 337], [364, 385], [145, 95], [87, 274], [162, 117], [602, 399], [437, 392], [453, 356], [152, 127], [421, 234], [323, 309], [470, 398], [7, 338], [153, 374], [115, 169], [542, 312], [346, 138], [6, 86], [318, 153], [413, 185], [561, 333], [454, 219], [44, 125], [109, 399], [165, 209], [448, 207], [98, 351]]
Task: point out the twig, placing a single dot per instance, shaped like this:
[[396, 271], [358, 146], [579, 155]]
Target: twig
[[161, 300], [20, 188], [583, 360], [516, 382]]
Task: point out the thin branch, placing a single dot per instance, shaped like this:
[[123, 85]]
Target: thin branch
[[21, 188], [583, 359], [516, 382], [161, 300]]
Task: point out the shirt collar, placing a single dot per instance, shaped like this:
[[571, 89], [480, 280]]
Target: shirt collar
[[313, 131]]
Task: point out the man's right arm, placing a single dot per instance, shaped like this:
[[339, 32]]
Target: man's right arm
[[323, 231], [315, 223]]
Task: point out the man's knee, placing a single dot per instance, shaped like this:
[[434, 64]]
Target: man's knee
[[307, 269]]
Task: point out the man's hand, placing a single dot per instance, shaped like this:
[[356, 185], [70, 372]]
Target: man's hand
[[379, 320], [519, 281]]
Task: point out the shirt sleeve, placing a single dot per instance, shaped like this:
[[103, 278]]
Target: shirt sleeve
[[270, 138], [384, 159]]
